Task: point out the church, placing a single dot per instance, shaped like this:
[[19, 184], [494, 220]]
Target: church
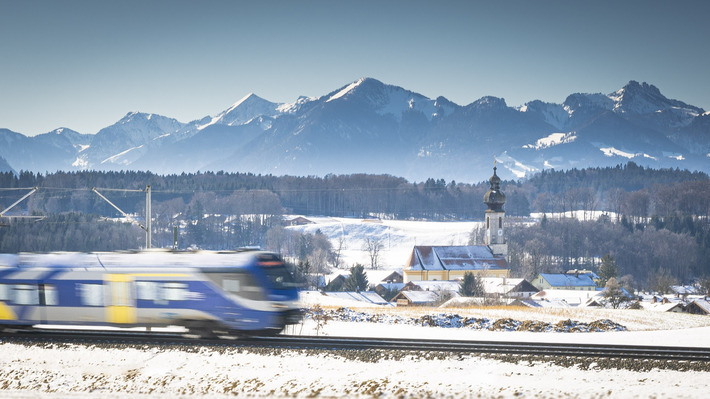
[[452, 262]]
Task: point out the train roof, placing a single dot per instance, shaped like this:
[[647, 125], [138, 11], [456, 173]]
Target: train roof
[[147, 258]]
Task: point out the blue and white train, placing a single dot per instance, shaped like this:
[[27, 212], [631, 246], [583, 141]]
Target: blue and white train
[[237, 293]]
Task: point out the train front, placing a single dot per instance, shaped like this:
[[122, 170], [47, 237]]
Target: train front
[[280, 288]]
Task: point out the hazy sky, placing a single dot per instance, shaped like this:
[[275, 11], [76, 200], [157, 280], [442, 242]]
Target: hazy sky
[[85, 64]]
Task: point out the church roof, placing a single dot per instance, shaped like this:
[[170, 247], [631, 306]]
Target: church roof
[[568, 280], [469, 257]]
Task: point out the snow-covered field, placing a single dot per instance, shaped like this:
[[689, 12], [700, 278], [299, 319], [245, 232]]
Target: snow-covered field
[[124, 371], [115, 371]]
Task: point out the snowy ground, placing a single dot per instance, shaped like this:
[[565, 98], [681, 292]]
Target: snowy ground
[[69, 371]]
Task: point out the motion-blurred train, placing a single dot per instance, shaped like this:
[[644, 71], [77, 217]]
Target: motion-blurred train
[[237, 293]]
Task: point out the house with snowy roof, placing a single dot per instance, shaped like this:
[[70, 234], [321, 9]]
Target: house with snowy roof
[[698, 306], [298, 221], [591, 274], [428, 262], [433, 285], [685, 290], [562, 281], [416, 298], [362, 296], [565, 297], [384, 276], [501, 287], [662, 306]]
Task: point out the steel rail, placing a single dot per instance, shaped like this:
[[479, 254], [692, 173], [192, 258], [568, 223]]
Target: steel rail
[[545, 349]]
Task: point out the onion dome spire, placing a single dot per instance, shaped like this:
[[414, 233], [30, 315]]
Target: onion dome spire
[[494, 198]]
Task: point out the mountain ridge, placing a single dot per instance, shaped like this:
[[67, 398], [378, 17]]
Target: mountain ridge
[[368, 126]]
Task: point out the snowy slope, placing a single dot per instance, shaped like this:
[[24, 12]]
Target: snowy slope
[[243, 111], [397, 236]]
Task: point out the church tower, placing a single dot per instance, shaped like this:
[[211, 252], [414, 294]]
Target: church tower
[[495, 215]]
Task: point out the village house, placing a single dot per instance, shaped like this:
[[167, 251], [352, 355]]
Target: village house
[[368, 297], [298, 221], [591, 274], [698, 306], [498, 287], [416, 298], [562, 281]]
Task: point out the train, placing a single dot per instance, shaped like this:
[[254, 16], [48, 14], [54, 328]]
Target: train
[[206, 292]]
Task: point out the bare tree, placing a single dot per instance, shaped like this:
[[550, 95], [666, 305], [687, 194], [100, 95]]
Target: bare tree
[[373, 246], [661, 281], [338, 251], [476, 236], [637, 204], [613, 294], [615, 200], [533, 262], [542, 203], [589, 201], [319, 261]]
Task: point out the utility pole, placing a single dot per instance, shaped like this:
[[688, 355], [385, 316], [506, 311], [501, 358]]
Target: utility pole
[[148, 215]]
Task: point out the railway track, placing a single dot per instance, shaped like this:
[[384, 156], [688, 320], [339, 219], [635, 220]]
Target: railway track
[[354, 343]]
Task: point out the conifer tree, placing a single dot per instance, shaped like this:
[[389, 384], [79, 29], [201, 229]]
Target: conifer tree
[[607, 270], [357, 280], [471, 285]]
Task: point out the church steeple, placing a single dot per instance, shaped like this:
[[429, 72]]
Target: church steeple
[[495, 199]]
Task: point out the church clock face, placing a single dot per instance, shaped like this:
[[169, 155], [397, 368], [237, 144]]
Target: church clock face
[[500, 232]]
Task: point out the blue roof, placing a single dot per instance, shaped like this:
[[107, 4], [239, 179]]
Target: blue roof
[[568, 280]]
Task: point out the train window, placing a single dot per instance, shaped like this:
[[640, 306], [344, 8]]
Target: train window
[[26, 294], [91, 294], [230, 285], [4, 292], [147, 290], [238, 283], [175, 291], [48, 295]]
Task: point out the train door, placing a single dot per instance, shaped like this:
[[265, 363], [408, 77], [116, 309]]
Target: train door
[[47, 299], [120, 299]]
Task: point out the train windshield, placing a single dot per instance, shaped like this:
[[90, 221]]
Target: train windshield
[[280, 277], [276, 272]]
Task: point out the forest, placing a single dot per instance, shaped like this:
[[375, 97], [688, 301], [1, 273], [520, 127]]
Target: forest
[[654, 223]]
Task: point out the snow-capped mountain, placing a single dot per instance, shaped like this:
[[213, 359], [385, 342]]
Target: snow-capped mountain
[[243, 111], [121, 144], [368, 126]]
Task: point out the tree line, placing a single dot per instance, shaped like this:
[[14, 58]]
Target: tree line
[[677, 248], [655, 223]]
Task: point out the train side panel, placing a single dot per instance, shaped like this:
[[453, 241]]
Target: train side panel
[[233, 298]]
